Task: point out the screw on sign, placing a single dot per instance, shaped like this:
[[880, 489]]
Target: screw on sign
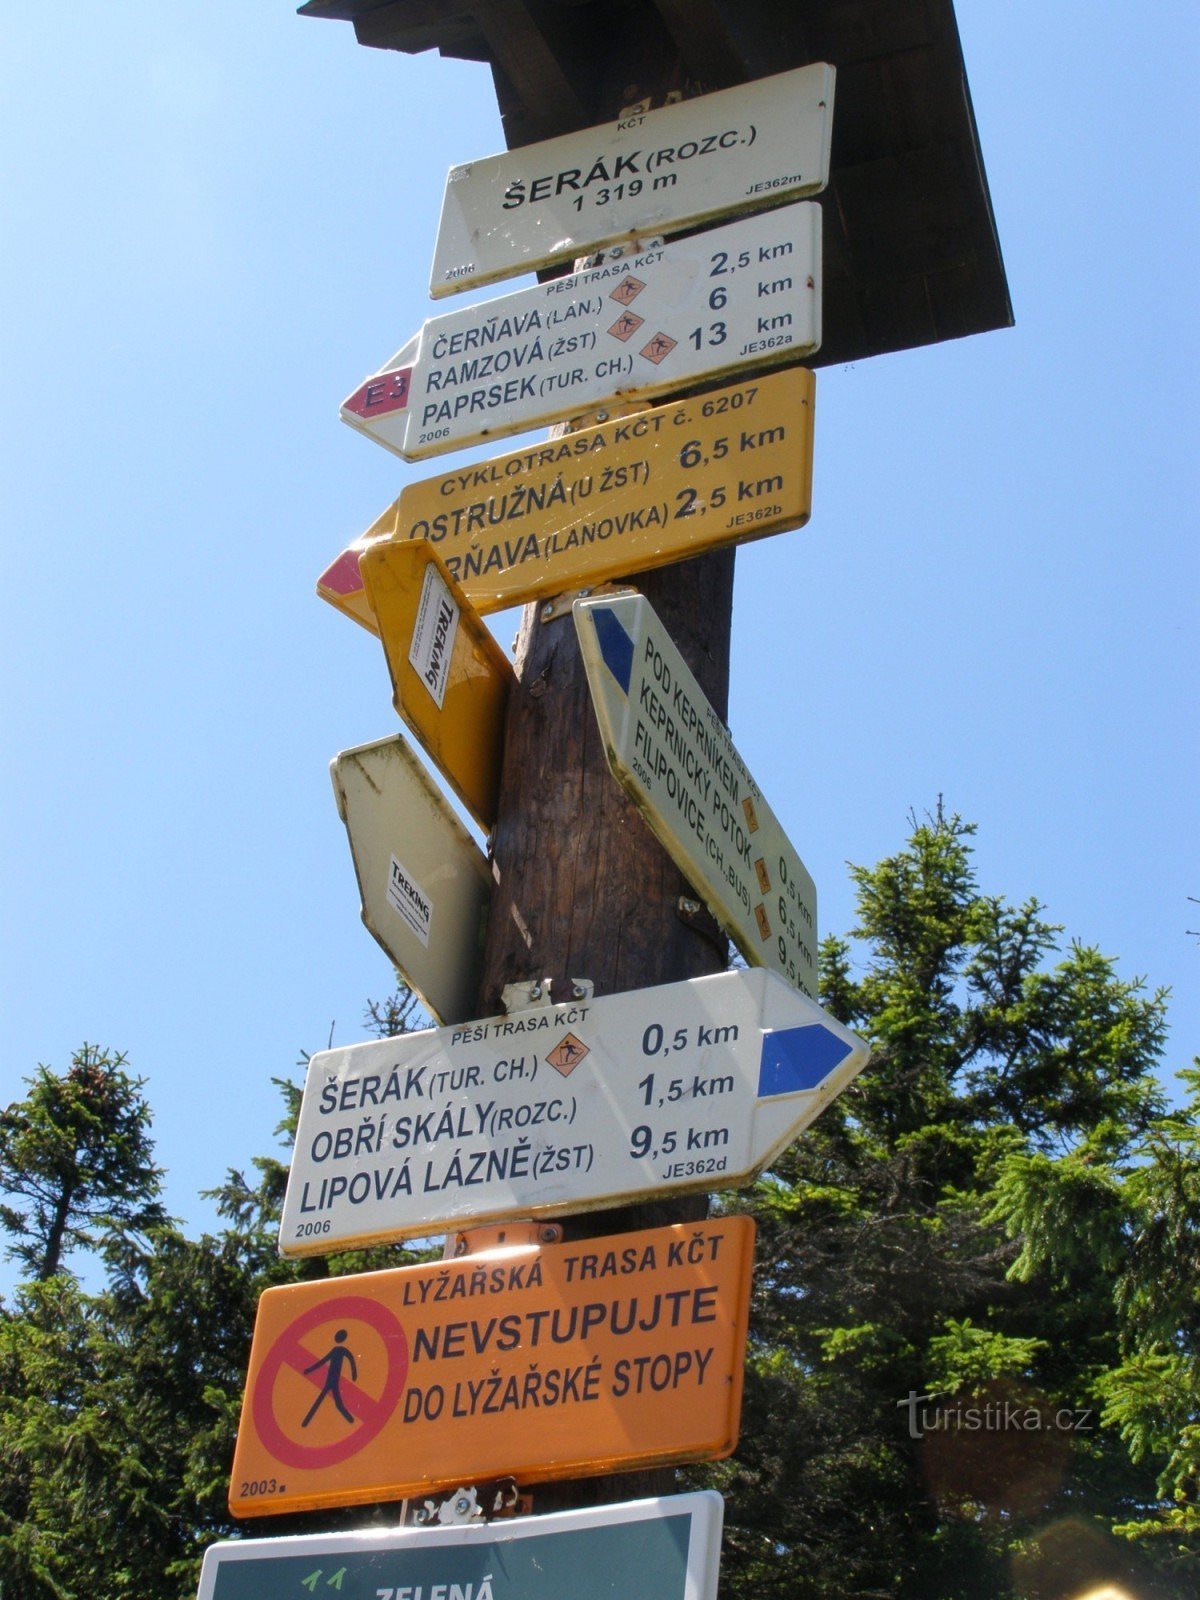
[[355, 1353]]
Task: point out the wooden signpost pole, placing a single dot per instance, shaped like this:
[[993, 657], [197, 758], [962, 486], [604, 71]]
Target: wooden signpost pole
[[582, 888]]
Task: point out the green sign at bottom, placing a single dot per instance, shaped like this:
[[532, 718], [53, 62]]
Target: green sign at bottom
[[668, 1548]]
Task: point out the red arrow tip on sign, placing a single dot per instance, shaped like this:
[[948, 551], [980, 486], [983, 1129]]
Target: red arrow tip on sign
[[343, 576], [386, 391]]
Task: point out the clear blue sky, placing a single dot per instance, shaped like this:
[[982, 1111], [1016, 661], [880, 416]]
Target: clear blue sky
[[218, 218]]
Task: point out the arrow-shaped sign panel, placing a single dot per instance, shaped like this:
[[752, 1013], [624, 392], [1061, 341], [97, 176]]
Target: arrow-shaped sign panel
[[639, 491], [743, 296], [424, 882], [450, 679], [675, 759], [562, 1108], [740, 149]]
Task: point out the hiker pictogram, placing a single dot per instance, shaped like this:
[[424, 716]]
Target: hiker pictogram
[[335, 1360], [626, 325], [628, 289], [659, 348], [567, 1054]]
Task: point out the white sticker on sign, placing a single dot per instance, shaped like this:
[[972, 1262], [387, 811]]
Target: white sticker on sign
[[408, 898], [433, 637]]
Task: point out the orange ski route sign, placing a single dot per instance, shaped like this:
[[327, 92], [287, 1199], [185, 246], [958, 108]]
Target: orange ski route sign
[[554, 1362]]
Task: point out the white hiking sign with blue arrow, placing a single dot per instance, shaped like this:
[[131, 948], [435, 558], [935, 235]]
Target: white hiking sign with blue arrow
[[674, 757], [559, 1108]]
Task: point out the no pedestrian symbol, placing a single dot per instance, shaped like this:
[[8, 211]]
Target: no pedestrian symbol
[[352, 1355]]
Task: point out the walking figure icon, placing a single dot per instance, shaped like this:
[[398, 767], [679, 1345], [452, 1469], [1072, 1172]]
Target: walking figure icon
[[659, 347], [335, 1361], [567, 1054]]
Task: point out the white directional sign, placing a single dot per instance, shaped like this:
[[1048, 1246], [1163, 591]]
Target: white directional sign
[[675, 759], [561, 1108], [738, 297], [424, 882], [668, 1547], [740, 149]]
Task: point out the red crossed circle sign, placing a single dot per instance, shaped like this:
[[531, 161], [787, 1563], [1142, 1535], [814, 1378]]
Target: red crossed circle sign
[[371, 1412]]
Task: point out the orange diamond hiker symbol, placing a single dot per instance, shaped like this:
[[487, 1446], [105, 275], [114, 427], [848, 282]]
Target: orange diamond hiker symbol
[[567, 1054], [628, 289]]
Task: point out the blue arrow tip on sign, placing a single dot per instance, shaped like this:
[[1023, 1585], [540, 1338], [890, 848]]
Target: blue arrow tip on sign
[[615, 645], [794, 1059]]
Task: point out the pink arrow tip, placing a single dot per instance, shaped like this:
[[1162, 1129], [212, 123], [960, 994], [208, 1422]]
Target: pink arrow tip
[[343, 576], [386, 391]]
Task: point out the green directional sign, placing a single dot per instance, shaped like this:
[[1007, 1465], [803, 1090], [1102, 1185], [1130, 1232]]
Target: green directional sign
[[668, 1548]]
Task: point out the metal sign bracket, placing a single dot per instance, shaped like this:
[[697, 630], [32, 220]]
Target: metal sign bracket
[[528, 995], [700, 919], [560, 606], [500, 1236], [536, 994], [628, 247], [485, 1502]]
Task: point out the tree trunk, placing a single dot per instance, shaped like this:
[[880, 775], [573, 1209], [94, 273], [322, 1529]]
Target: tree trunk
[[54, 1239]]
